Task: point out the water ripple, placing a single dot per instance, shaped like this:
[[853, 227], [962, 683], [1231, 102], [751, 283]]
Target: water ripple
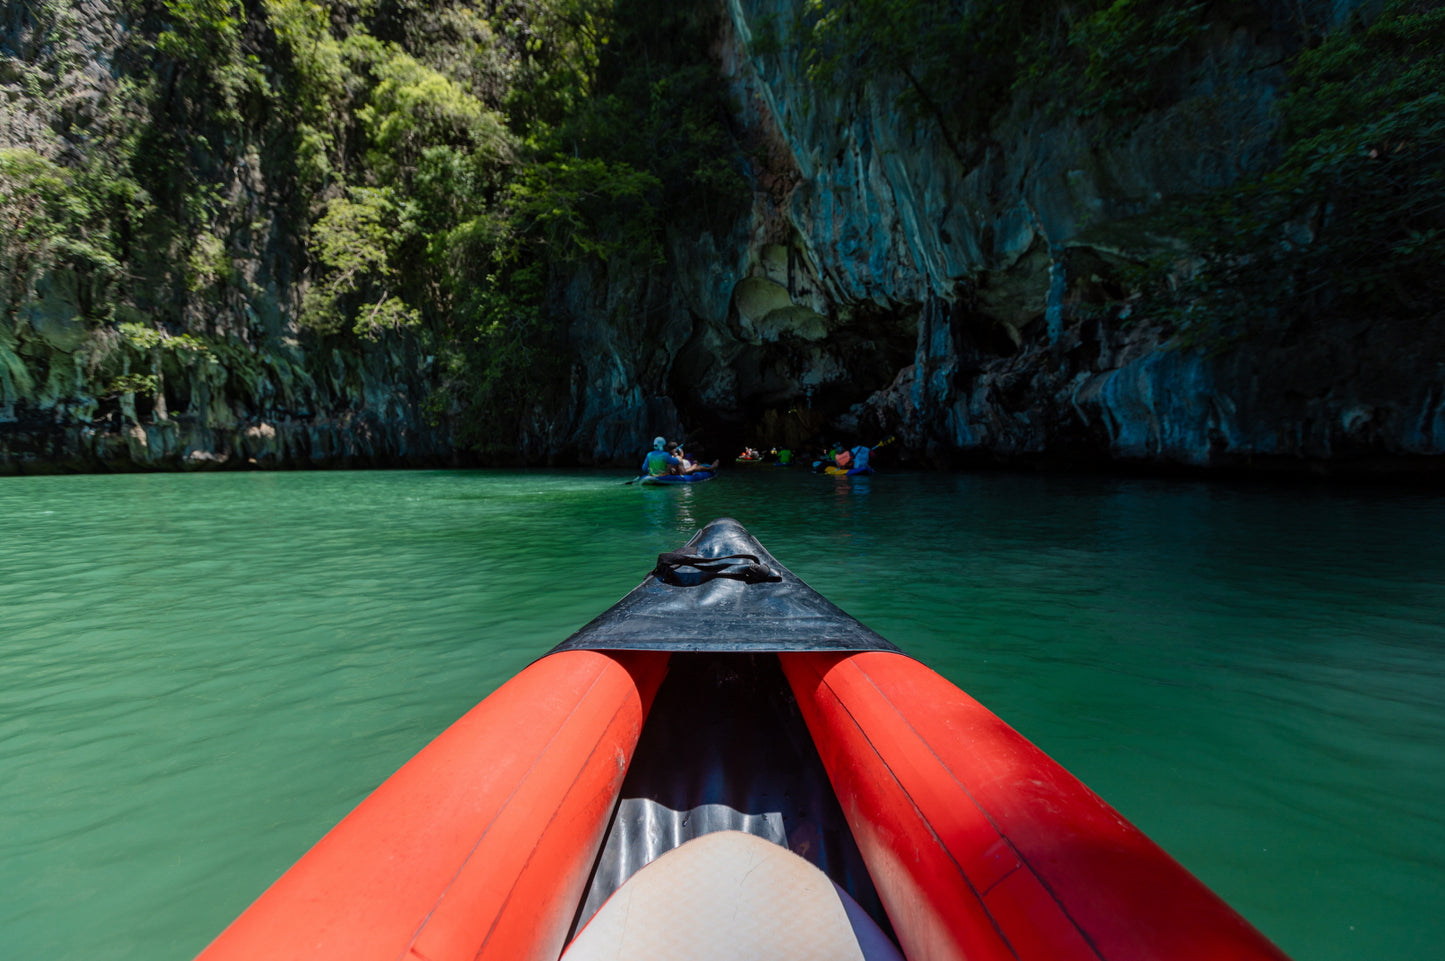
[[199, 674]]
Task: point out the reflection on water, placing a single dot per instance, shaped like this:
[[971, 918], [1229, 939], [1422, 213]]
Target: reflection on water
[[670, 509], [199, 674]]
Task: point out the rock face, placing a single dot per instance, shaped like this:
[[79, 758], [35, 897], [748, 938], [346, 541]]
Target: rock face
[[881, 284]]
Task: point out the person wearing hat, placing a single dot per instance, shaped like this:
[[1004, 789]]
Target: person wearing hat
[[658, 461]]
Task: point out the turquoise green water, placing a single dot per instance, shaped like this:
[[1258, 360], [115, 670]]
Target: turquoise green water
[[200, 674]]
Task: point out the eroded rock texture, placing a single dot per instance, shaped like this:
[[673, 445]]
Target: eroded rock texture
[[872, 237], [886, 282], [883, 281]]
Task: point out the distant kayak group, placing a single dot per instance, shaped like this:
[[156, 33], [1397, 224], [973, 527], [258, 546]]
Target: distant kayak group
[[667, 463]]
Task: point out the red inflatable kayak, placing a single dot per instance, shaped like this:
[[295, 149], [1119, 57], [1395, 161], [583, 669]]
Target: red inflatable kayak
[[615, 797]]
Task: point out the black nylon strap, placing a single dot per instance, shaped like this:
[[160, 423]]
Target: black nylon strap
[[741, 567]]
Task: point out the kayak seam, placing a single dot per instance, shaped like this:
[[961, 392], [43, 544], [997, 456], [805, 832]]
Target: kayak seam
[[919, 811], [572, 787], [988, 817], [411, 942]]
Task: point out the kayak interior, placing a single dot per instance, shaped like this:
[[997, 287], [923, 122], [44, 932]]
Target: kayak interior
[[725, 748]]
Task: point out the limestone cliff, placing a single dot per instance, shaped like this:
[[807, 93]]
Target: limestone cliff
[[882, 283], [974, 293]]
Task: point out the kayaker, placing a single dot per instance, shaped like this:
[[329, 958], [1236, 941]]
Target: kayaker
[[658, 461], [687, 466], [855, 458], [828, 458]]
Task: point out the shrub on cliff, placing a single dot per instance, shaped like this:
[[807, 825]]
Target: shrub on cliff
[[1351, 221], [961, 66]]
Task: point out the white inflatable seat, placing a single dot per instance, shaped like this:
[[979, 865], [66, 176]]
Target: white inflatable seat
[[730, 896]]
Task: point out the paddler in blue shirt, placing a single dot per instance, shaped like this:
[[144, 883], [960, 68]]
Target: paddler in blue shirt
[[658, 461]]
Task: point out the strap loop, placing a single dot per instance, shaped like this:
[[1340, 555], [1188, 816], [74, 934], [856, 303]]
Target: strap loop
[[690, 570]]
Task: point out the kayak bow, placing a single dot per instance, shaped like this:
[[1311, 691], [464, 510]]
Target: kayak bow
[[725, 699]]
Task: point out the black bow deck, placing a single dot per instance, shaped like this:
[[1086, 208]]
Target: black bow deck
[[721, 603]]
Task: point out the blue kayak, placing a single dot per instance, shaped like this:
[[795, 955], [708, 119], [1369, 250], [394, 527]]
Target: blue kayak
[[693, 478]]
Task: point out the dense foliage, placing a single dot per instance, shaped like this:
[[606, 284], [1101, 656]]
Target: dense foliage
[[442, 171], [493, 145], [962, 64], [411, 167]]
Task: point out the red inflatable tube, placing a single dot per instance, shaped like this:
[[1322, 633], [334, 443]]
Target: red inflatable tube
[[981, 846], [480, 846]]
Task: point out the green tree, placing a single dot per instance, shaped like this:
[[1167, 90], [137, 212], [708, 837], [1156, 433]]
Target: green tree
[[355, 241], [204, 36], [323, 80], [960, 65], [413, 108]]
